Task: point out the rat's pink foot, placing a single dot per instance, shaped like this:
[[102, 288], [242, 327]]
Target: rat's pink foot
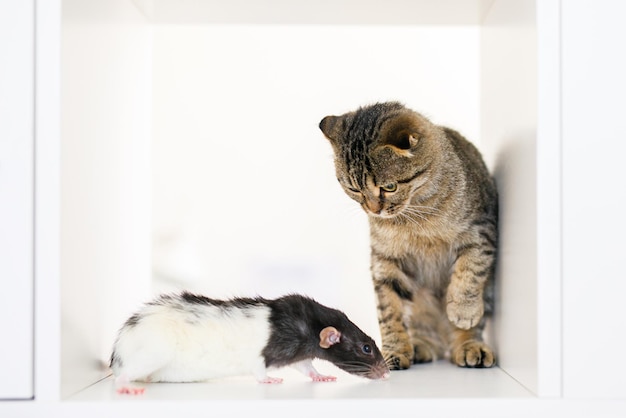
[[271, 380], [316, 377], [130, 390]]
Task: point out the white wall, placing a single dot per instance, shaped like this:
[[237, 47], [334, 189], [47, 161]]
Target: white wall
[[16, 198], [47, 121], [594, 198], [105, 180], [508, 122], [245, 197], [342, 12], [549, 204]]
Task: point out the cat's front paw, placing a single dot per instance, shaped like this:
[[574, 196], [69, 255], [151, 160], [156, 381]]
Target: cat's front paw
[[465, 314], [399, 355], [473, 353], [398, 361], [423, 353]]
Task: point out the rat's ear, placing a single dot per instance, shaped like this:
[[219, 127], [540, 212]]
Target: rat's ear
[[329, 336]]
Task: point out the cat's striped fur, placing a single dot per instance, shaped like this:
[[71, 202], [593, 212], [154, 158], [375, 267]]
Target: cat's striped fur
[[432, 209]]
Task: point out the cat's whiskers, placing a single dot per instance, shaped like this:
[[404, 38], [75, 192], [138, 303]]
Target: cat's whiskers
[[430, 214], [430, 210], [412, 221], [408, 212]]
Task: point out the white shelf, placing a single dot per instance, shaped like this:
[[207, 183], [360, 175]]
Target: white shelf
[[397, 12], [427, 381], [522, 93]]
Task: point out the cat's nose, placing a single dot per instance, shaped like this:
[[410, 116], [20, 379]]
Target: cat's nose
[[374, 206]]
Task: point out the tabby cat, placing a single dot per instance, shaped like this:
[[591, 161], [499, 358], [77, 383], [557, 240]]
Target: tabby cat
[[432, 210]]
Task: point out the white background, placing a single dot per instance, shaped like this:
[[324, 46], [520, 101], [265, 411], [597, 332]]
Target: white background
[[119, 111]]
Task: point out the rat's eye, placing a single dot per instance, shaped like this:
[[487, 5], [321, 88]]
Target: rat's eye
[[367, 349], [389, 188]]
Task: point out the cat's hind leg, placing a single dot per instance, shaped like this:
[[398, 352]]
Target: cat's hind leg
[[425, 327]]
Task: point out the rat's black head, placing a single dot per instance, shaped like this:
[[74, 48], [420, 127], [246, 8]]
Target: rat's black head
[[352, 351], [302, 328]]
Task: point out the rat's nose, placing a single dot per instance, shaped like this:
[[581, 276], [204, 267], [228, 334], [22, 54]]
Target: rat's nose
[[381, 373]]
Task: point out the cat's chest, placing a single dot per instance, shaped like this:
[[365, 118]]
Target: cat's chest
[[425, 258], [400, 240]]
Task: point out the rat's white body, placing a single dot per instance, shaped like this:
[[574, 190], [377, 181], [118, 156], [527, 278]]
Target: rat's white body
[[191, 338], [173, 345]]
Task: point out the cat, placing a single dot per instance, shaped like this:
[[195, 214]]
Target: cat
[[432, 208]]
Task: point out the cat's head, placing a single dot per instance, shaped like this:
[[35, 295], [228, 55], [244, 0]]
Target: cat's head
[[384, 156]]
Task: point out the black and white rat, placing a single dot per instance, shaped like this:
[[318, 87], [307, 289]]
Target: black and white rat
[[188, 337]]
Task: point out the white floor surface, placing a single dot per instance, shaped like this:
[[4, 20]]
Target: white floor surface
[[437, 380]]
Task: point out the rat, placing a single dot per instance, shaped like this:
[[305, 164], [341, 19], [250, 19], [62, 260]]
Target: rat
[[188, 337]]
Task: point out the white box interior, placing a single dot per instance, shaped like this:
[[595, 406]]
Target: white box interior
[[192, 158]]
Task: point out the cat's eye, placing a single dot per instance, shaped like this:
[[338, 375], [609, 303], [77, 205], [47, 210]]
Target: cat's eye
[[390, 187], [348, 186], [352, 189], [367, 349]]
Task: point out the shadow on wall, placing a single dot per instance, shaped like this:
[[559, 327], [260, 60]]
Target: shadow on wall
[[516, 271]]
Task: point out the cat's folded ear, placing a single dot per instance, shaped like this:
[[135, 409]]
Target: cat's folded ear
[[402, 141], [330, 127]]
